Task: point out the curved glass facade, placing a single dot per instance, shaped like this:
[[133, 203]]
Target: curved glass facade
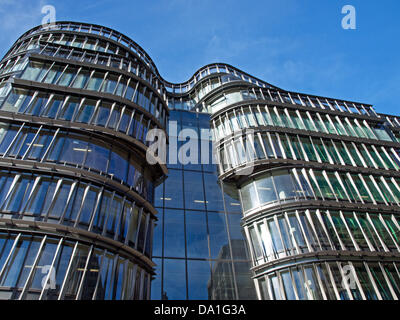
[[102, 81], [75, 202], [283, 185], [79, 201], [324, 185], [318, 182], [79, 150], [78, 270], [77, 192], [76, 108], [321, 280], [306, 231], [302, 148]]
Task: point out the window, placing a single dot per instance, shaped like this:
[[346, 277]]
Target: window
[[81, 79], [41, 198], [365, 282], [38, 147], [342, 230], [97, 157], [308, 148], [45, 260], [311, 284], [173, 196], [53, 106], [218, 235], [37, 105], [213, 192], [86, 111], [276, 145], [319, 147], [113, 217], [196, 234], [373, 189], [125, 120], [114, 118], [19, 194], [76, 272], [118, 164], [194, 192], [381, 132], [248, 195], [7, 134], [18, 100], [337, 187], [95, 81], [288, 286], [296, 120], [175, 283], [174, 233], [74, 205], [121, 87], [266, 189], [18, 267], [361, 188], [74, 149], [343, 152], [284, 185], [69, 108], [323, 185], [60, 199], [35, 71], [88, 205], [296, 147], [102, 114], [276, 239], [109, 84], [67, 76]]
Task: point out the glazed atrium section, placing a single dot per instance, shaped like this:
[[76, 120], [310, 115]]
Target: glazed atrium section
[[84, 215]]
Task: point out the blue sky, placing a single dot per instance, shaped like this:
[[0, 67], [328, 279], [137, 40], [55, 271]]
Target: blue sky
[[297, 45]]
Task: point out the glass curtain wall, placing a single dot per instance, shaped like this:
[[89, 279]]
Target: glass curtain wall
[[198, 247]]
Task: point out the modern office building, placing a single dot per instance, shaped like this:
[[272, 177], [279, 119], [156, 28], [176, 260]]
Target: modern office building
[[302, 201]]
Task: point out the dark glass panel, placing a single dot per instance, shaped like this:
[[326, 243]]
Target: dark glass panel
[[173, 196], [86, 111], [174, 233], [174, 286], [196, 234], [60, 199], [118, 164], [43, 267], [74, 149], [68, 109], [365, 282], [76, 271], [91, 276], [199, 276]]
